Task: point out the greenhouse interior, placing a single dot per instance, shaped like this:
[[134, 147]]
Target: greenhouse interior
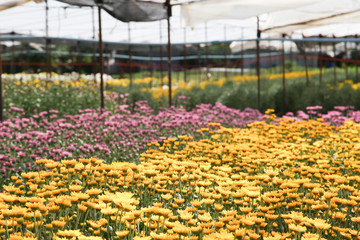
[[179, 119], [200, 40]]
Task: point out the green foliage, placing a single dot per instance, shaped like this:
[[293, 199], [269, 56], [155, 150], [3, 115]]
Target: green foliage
[[290, 65], [65, 99], [70, 99], [298, 95]]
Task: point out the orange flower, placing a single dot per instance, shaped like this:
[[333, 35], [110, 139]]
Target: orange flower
[[297, 228], [121, 233], [205, 217], [167, 197], [93, 192], [75, 188], [218, 207], [208, 201], [196, 203], [69, 233], [320, 224], [195, 229], [109, 211], [162, 236], [247, 221], [311, 236], [185, 215], [180, 229]]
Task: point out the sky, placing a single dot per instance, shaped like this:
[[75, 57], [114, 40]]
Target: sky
[[75, 22]]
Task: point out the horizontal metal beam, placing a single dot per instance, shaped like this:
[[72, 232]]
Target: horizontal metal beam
[[90, 41]]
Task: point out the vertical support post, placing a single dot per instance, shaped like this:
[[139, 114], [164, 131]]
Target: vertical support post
[[306, 67], [184, 64], [206, 54], [357, 59], [334, 50], [48, 58], [291, 57], [269, 56], [78, 57], [320, 61], [93, 44], [151, 65], [258, 64], [161, 58], [102, 105], [1, 94], [242, 52], [13, 56], [346, 64], [21, 56], [177, 68], [199, 62], [283, 73], [169, 48], [47, 42], [225, 53], [130, 56]]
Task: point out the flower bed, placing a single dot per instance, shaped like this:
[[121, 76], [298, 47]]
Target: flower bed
[[112, 136], [276, 179]]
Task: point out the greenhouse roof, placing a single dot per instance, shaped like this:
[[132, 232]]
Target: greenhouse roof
[[199, 21]]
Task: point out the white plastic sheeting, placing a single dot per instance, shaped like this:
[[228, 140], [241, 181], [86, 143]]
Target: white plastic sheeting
[[236, 47], [324, 13], [337, 30], [6, 4], [203, 11]]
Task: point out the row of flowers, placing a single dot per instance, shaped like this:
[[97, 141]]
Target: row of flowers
[[115, 136], [275, 179], [120, 135], [158, 87]]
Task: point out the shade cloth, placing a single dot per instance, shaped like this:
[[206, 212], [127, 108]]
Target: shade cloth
[[127, 10]]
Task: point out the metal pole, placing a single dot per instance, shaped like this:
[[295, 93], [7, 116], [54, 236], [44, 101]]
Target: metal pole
[[78, 57], [47, 42], [306, 68], [357, 59], [291, 57], [130, 56], [225, 53], [1, 95], [206, 53], [93, 44], [12, 56], [177, 72], [21, 56], [258, 64], [283, 72], [242, 51], [102, 105], [199, 62], [346, 64], [161, 58], [184, 65], [320, 61], [151, 65], [269, 56], [334, 50], [169, 48]]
